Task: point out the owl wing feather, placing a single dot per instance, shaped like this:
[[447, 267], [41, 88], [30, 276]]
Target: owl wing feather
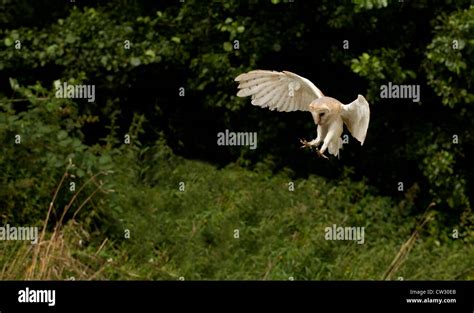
[[356, 116], [281, 91]]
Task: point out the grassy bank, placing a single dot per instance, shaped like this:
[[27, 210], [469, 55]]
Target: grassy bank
[[166, 217]]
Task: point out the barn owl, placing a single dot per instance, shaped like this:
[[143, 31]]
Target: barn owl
[[286, 91]]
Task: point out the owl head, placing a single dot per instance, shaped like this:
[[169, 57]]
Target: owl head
[[321, 112]]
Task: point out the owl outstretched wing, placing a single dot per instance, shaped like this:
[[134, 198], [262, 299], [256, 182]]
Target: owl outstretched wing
[[281, 91], [356, 116]]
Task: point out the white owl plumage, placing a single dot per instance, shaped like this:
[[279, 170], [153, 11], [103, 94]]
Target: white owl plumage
[[286, 92]]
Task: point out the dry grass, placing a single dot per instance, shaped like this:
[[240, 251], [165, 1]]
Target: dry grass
[[52, 257], [407, 246]]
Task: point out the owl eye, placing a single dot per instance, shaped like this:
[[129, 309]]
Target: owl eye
[[321, 114]]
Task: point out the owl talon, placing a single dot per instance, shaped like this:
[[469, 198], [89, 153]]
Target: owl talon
[[305, 144], [321, 154]]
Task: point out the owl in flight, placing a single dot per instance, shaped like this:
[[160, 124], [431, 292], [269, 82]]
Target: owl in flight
[[286, 91]]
